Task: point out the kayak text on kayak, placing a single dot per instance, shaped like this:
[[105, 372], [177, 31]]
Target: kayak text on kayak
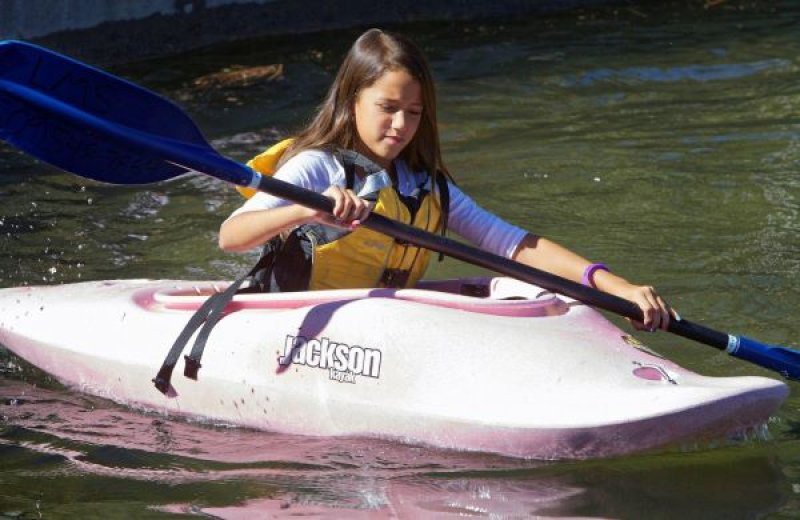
[[344, 362]]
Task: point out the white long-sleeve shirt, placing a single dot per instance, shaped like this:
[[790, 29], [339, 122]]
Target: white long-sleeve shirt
[[318, 170]]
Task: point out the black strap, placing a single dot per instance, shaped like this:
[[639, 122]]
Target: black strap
[[349, 174], [215, 313], [444, 199], [209, 313], [399, 277], [444, 203]]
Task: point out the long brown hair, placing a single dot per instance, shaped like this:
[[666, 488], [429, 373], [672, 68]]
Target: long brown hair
[[374, 53]]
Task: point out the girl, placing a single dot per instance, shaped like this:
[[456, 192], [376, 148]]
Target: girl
[[382, 105]]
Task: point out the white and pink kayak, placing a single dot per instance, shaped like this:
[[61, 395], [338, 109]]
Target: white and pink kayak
[[488, 364]]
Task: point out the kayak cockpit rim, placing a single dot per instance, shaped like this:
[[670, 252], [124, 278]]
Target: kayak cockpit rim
[[498, 296]]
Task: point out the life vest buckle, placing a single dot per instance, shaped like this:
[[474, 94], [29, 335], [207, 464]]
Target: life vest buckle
[[394, 278]]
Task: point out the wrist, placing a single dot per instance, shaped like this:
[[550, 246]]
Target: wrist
[[304, 215]]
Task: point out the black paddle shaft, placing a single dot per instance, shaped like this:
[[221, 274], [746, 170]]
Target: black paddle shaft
[[494, 262]]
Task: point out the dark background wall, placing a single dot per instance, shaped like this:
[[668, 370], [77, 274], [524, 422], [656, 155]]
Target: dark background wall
[[114, 31]]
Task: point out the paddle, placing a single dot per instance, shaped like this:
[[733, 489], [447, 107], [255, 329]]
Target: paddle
[[101, 127]]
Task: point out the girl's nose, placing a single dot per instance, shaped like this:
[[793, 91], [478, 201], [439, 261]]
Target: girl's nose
[[399, 119]]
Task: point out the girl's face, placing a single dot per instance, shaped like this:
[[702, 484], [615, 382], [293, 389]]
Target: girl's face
[[387, 115]]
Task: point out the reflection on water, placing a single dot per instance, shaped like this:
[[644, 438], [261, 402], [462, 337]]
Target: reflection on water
[[662, 140], [177, 466]]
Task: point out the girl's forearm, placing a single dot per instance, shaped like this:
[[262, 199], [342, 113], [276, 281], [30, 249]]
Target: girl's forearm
[[548, 256], [252, 229]]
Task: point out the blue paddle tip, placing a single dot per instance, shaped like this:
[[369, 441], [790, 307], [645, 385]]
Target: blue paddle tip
[[783, 360]]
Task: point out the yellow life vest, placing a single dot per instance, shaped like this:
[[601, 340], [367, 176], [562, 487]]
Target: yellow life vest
[[265, 163], [366, 258]]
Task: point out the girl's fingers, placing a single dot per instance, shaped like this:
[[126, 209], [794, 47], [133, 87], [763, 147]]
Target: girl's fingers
[[665, 312], [655, 311], [365, 208], [347, 206], [335, 194], [363, 214]]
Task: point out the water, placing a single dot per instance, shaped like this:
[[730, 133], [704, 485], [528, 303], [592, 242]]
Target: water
[[663, 141]]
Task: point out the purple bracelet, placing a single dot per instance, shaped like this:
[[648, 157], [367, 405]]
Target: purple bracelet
[[588, 274]]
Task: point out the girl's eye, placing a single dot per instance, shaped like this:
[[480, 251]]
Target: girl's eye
[[391, 109]]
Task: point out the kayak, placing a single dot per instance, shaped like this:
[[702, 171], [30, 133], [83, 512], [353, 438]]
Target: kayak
[[479, 364]]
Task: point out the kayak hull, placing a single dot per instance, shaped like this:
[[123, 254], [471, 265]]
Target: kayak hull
[[519, 372]]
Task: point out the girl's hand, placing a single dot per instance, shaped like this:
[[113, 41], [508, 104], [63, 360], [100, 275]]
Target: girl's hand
[[349, 210], [656, 311]]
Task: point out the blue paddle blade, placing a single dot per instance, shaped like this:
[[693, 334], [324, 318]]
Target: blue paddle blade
[[780, 359], [71, 115], [95, 92]]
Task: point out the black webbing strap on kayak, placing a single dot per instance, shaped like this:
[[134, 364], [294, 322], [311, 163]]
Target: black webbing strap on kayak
[[209, 313], [215, 312]]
